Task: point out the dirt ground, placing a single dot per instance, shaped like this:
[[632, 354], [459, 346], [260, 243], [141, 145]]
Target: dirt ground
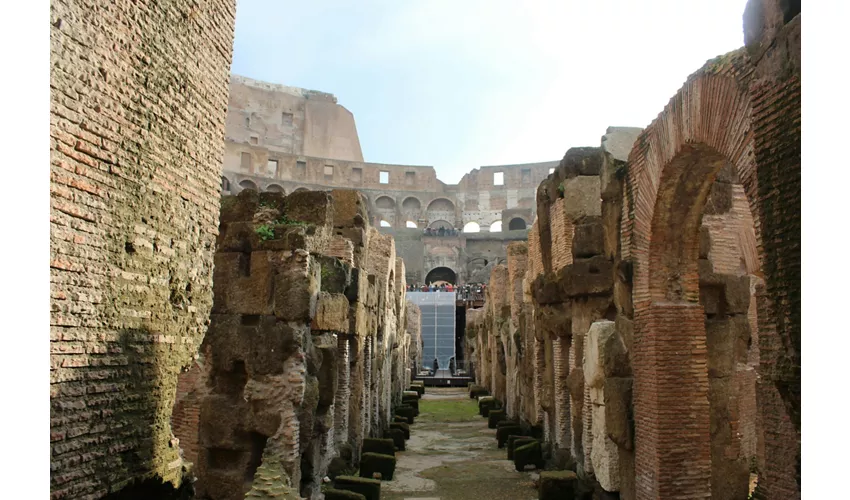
[[452, 455]]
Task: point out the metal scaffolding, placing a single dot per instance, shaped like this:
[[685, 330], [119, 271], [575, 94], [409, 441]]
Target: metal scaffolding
[[438, 328]]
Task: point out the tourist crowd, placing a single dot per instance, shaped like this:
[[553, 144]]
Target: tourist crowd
[[443, 231], [470, 291]]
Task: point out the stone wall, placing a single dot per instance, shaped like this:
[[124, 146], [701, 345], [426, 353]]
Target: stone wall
[[137, 99], [660, 296], [306, 353]]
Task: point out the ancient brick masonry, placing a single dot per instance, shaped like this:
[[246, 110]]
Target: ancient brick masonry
[[662, 359], [138, 94], [306, 354]]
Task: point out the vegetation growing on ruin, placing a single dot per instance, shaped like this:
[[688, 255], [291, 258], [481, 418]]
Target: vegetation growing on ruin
[[266, 231]]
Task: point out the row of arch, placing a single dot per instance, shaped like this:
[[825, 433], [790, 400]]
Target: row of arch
[[517, 223], [412, 204]]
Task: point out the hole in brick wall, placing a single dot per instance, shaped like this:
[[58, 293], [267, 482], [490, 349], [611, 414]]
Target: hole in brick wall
[[129, 248], [250, 320], [258, 445], [222, 458], [231, 382]]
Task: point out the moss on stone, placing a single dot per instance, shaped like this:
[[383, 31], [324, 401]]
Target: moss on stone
[[403, 426], [375, 445], [495, 417], [528, 454], [397, 435], [335, 494], [370, 463], [558, 485], [369, 488], [407, 412], [503, 432]]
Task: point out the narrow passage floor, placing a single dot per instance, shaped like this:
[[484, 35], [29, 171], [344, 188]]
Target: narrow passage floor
[[452, 455]]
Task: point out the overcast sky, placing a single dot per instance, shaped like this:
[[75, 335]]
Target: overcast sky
[[458, 84]]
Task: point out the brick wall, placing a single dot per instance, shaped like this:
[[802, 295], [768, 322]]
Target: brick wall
[[562, 236], [137, 105]]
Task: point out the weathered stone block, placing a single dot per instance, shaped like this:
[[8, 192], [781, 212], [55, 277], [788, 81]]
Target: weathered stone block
[[529, 454], [515, 441], [737, 294], [331, 313], [582, 196], [296, 288], [369, 488], [619, 420], [558, 485], [503, 432], [588, 238], [407, 412], [312, 207], [381, 446], [591, 276], [335, 494], [403, 426], [397, 435], [371, 463], [495, 417]]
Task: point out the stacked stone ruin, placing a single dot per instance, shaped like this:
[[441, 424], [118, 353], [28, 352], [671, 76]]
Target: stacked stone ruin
[[648, 332], [307, 351], [649, 328]]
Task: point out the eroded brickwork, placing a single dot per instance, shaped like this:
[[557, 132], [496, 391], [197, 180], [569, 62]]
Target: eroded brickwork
[[137, 109]]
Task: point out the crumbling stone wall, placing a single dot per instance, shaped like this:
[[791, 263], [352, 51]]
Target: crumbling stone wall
[[655, 311], [304, 350], [138, 93]]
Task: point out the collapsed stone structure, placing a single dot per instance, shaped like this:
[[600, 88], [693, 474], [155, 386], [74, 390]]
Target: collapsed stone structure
[[650, 328], [308, 349], [624, 331]]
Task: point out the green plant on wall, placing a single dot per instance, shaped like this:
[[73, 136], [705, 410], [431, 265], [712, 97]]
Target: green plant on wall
[[265, 232], [561, 190]]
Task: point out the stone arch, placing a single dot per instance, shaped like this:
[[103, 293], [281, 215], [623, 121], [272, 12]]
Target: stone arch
[[275, 188], [496, 227], [384, 223], [441, 205], [301, 189], [410, 224], [411, 204], [441, 274], [517, 223], [384, 202], [472, 227], [225, 183], [248, 184], [671, 169]]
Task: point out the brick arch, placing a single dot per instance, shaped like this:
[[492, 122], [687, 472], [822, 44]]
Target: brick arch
[[411, 204], [671, 168]]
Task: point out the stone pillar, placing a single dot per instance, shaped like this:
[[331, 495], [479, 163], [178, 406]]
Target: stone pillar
[[343, 392], [671, 402], [561, 347]]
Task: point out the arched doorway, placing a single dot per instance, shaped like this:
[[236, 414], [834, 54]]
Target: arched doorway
[[246, 184], [441, 274], [516, 223]]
